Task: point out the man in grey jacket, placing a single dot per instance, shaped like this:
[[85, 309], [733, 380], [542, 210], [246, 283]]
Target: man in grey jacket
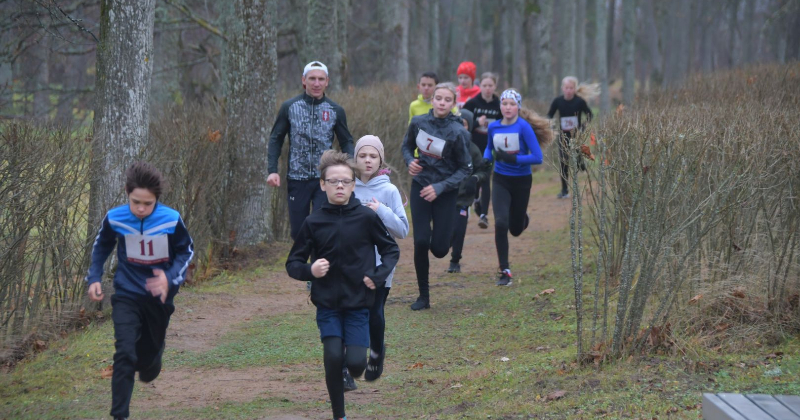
[[311, 120]]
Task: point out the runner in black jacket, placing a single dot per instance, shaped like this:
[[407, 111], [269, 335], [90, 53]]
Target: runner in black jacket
[[570, 107], [443, 162], [310, 119], [486, 108], [343, 235]]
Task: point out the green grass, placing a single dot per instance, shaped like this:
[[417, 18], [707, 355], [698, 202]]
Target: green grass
[[444, 363]]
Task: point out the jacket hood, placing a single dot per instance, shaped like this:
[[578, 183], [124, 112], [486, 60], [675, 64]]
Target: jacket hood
[[353, 203], [378, 180]]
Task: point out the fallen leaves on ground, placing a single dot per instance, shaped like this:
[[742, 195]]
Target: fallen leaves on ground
[[555, 395], [107, 372]]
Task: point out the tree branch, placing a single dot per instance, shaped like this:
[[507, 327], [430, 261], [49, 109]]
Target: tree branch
[[200, 21]]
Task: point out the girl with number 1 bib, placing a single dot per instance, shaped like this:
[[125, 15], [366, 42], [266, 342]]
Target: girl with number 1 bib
[[514, 147], [443, 162]]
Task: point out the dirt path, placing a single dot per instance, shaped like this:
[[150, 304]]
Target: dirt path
[[202, 319]]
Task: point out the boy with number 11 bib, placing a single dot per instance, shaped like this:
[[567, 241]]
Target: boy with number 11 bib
[[153, 252]]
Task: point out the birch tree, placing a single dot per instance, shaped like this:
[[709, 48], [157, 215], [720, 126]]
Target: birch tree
[[252, 66], [122, 94]]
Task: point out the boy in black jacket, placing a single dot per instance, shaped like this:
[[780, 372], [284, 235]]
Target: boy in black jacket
[[343, 235]]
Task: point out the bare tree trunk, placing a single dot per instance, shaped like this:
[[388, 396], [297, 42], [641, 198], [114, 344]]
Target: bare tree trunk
[[628, 51], [610, 43], [419, 39], [434, 58], [542, 77], [684, 56], [122, 94], [707, 27], [253, 62], [601, 47], [568, 53], [394, 22], [733, 10], [651, 40], [497, 39], [342, 60], [321, 42], [580, 40], [749, 36]]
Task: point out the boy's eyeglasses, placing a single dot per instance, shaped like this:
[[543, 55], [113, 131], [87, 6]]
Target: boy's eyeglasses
[[334, 182]]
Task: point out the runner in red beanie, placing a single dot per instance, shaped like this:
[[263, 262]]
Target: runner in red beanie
[[466, 88]]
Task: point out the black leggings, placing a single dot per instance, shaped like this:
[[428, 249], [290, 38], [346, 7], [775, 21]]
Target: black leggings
[[436, 238], [510, 196], [563, 158], [462, 217], [484, 194], [334, 355], [377, 320]]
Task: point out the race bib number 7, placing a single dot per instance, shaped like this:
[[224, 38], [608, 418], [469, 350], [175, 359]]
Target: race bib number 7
[[147, 249], [569, 123], [508, 142], [430, 145]]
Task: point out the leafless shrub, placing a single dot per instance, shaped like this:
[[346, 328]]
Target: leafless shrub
[[693, 188], [43, 231]]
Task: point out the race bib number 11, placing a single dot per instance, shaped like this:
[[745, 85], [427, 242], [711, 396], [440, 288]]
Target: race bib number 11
[[147, 249], [430, 145]]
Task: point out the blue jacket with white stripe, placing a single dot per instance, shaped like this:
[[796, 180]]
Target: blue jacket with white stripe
[[160, 240]]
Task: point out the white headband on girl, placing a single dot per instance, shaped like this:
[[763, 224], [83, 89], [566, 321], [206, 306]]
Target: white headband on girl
[[512, 94]]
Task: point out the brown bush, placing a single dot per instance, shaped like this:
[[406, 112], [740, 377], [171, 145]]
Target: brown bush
[[695, 192]]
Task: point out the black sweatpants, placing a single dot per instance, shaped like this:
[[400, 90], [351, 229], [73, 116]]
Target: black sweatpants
[[377, 319], [459, 233], [438, 213], [140, 327], [302, 195], [510, 196], [334, 355]]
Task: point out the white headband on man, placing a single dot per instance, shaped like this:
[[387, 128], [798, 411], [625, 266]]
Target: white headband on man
[[315, 65]]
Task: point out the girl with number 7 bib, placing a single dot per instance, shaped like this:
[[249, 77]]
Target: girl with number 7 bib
[[444, 161], [571, 107], [514, 147]]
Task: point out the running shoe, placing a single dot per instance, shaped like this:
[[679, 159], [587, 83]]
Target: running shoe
[[454, 268], [483, 222], [504, 278], [375, 366], [349, 382], [421, 303], [308, 286], [563, 194]]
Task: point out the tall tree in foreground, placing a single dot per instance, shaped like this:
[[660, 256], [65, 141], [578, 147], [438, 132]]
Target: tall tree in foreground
[[122, 95], [252, 66], [628, 51]]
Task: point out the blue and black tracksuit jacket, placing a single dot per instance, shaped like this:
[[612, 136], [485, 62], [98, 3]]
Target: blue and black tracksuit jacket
[[160, 241]]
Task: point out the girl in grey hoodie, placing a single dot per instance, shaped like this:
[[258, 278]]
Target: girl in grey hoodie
[[376, 191]]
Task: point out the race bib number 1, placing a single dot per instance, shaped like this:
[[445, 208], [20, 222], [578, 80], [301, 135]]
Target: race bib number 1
[[147, 249], [569, 123], [508, 142], [430, 145]]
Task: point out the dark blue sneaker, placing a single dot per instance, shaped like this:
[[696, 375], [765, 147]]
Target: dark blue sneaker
[[349, 382]]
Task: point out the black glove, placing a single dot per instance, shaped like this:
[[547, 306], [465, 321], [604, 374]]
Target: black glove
[[470, 185], [504, 156]]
